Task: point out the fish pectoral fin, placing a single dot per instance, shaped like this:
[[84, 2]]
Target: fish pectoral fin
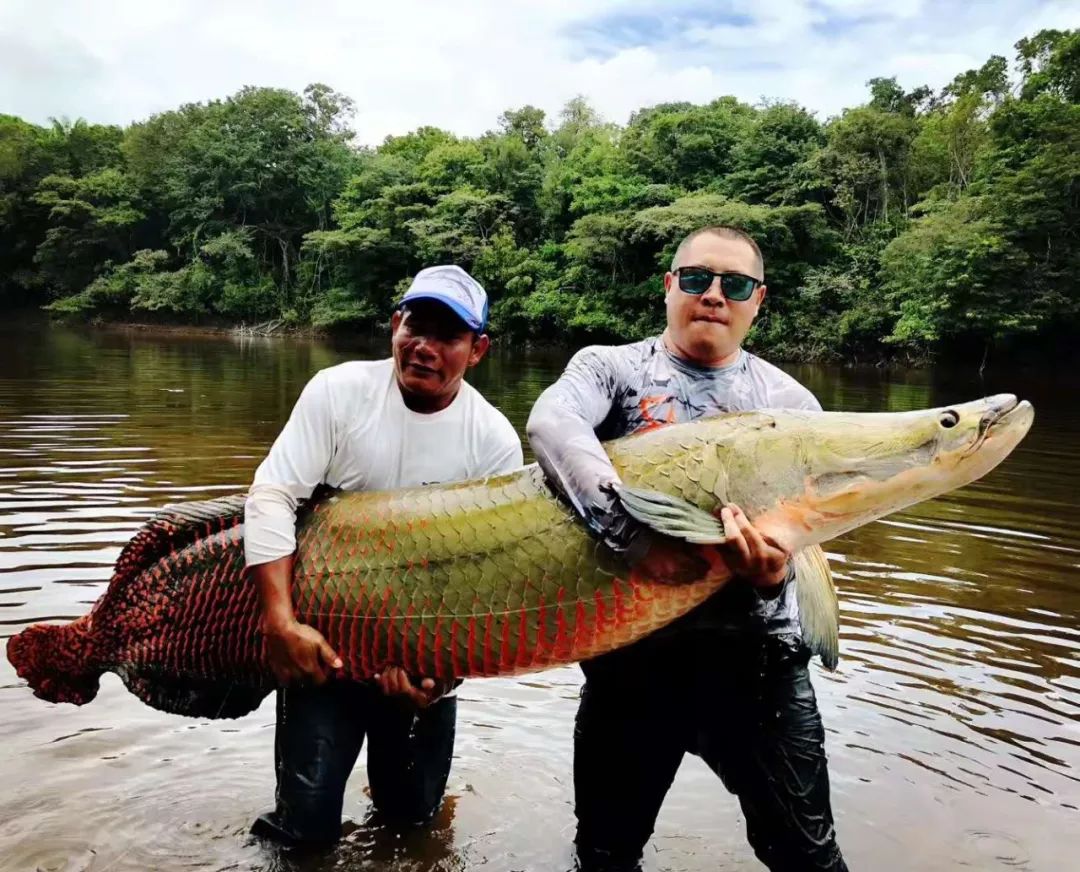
[[671, 516], [819, 612]]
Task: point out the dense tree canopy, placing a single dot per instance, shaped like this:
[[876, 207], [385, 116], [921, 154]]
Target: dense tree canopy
[[917, 222]]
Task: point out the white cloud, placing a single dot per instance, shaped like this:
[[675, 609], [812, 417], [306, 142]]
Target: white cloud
[[895, 9], [459, 64]]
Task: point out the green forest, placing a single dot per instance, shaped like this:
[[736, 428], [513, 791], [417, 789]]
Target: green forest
[[919, 223]]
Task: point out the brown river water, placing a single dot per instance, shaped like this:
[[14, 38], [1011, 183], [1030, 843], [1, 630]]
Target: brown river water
[[953, 720]]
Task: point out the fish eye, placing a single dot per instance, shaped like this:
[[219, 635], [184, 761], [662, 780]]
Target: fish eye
[[949, 419]]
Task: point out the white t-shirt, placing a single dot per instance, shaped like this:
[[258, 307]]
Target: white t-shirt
[[351, 429]]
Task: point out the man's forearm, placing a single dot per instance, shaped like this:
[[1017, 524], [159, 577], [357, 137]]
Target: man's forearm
[[274, 583], [575, 462]]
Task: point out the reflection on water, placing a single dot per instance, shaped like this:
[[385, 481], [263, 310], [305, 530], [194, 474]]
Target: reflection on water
[[952, 720]]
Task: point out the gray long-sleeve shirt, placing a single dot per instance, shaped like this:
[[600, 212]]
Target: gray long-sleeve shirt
[[612, 391]]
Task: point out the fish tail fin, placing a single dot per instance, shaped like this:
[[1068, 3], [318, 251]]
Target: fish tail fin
[[57, 661], [819, 611]]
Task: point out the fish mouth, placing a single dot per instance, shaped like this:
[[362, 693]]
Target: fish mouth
[[1003, 409]]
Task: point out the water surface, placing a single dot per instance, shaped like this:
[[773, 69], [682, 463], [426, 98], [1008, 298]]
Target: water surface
[[953, 720]]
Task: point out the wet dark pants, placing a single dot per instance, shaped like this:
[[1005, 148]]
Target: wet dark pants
[[748, 711], [319, 734]]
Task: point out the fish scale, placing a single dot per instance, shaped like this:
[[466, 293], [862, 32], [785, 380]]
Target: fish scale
[[498, 577]]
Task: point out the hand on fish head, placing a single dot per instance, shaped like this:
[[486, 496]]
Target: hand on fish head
[[739, 549]]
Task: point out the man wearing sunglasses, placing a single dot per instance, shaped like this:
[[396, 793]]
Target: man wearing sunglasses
[[728, 682]]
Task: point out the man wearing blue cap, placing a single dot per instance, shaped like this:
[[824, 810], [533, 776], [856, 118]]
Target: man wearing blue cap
[[407, 420]]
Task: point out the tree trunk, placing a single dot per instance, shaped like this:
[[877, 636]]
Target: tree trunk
[[884, 187]]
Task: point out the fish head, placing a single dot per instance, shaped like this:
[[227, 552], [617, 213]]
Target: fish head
[[846, 470]]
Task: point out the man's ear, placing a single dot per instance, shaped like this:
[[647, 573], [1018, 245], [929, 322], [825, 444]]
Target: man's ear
[[479, 348], [395, 321], [669, 277], [761, 292]]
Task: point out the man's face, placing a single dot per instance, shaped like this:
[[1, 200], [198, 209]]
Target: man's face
[[708, 328], [432, 348]]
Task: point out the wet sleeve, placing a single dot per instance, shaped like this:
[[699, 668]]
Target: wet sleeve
[[298, 461], [561, 431]]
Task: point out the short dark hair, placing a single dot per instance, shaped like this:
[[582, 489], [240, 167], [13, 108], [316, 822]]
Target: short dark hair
[[724, 231]]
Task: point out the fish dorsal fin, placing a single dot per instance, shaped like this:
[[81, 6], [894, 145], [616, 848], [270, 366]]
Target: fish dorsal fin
[[179, 524], [819, 612], [174, 527]]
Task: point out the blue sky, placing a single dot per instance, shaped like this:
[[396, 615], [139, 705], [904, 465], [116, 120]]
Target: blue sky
[[459, 63]]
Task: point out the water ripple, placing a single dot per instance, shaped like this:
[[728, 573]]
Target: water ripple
[[953, 721]]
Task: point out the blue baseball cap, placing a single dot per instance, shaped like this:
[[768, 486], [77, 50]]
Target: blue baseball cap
[[455, 288]]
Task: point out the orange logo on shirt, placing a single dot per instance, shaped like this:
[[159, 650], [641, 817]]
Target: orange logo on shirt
[[651, 402]]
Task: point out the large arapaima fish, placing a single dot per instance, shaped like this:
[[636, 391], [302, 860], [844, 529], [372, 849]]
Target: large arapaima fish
[[497, 577]]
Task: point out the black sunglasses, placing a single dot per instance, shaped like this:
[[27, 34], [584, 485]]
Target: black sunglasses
[[734, 286]]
